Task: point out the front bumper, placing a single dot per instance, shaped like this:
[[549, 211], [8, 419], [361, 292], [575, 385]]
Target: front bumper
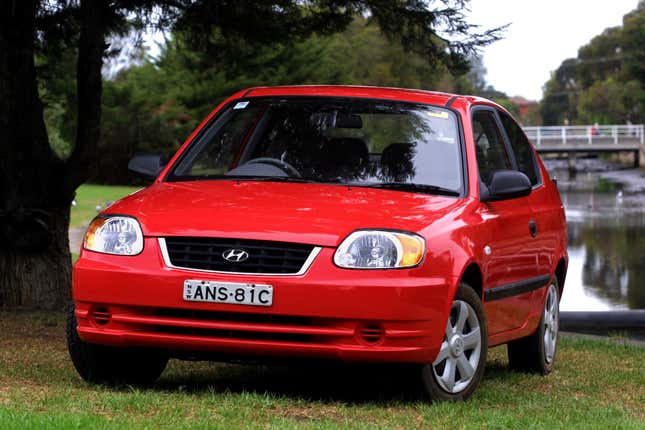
[[327, 312]]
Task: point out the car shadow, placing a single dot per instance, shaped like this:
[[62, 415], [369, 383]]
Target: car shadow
[[325, 382]]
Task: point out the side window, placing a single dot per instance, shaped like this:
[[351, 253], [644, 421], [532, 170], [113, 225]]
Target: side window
[[218, 155], [491, 152], [521, 148]]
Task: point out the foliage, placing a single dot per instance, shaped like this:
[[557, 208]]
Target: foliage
[[560, 95], [609, 102], [440, 33], [128, 125], [54, 119], [153, 107], [56, 69], [477, 74], [605, 83]]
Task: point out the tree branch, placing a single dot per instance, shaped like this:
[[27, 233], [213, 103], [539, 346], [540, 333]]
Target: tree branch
[[94, 17]]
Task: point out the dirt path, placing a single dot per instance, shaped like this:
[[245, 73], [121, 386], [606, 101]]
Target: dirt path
[[76, 238]]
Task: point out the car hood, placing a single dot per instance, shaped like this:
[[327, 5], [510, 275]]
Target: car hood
[[316, 214]]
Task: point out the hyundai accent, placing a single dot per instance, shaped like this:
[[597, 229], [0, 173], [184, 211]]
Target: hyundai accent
[[329, 222]]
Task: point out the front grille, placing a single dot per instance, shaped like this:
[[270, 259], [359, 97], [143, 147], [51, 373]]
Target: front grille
[[263, 256]]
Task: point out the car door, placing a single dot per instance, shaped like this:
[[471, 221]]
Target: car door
[[510, 262], [544, 201]]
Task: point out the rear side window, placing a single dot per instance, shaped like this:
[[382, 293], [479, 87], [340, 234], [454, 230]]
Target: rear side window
[[521, 148], [491, 152]]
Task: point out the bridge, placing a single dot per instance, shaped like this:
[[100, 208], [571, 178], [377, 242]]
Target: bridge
[[574, 139]]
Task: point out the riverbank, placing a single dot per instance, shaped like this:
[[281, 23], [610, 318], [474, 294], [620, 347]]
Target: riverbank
[[630, 181], [616, 340], [628, 323]]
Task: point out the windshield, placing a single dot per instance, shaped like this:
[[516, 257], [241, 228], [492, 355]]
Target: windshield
[[386, 144]]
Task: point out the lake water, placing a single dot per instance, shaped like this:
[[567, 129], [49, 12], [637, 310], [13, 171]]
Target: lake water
[[606, 222]]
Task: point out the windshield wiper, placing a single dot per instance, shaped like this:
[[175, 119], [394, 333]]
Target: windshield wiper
[[267, 178], [415, 188], [256, 178]]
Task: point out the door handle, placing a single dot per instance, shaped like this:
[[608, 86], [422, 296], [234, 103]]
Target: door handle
[[533, 228]]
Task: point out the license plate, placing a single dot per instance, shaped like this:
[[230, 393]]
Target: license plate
[[228, 292]]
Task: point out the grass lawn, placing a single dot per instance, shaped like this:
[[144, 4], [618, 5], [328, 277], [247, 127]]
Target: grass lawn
[[88, 196], [596, 384]]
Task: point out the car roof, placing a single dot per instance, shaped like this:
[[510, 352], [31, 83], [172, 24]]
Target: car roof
[[422, 96]]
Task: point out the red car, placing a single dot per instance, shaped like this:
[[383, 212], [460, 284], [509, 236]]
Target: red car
[[350, 223]]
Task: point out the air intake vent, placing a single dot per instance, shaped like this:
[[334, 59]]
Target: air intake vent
[[101, 316], [371, 333]]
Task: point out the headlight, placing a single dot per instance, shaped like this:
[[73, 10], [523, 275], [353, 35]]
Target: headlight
[[377, 249], [119, 235]]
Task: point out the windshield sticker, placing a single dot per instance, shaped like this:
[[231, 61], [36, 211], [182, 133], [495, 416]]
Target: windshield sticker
[[241, 105], [442, 115]]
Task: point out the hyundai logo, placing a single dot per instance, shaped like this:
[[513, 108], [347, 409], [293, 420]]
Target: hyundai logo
[[235, 255]]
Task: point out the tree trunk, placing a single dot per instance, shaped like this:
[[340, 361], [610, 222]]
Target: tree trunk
[[39, 279], [36, 187]]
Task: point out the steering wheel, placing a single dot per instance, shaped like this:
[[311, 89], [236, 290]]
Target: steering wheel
[[282, 165]]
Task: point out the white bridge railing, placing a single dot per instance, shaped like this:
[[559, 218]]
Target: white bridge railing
[[590, 134]]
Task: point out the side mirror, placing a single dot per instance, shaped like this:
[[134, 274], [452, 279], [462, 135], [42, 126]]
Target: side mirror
[[506, 184], [146, 165]]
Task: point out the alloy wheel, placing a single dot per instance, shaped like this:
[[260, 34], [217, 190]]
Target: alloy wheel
[[458, 358], [550, 321]]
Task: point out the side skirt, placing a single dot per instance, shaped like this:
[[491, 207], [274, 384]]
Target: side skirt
[[516, 288]]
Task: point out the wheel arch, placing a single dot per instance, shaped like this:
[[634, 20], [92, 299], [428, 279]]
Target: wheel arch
[[472, 275], [561, 274]]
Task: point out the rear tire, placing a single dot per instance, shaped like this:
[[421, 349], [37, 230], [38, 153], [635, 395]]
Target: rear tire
[[536, 352], [459, 366], [100, 364]]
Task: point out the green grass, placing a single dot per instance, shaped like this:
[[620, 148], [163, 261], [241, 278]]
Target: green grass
[[88, 196], [596, 384]]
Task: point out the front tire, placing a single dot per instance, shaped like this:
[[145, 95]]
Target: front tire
[[100, 364], [536, 353], [459, 366]]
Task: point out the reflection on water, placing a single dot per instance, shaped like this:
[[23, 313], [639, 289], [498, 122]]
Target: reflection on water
[[606, 267], [606, 246]]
